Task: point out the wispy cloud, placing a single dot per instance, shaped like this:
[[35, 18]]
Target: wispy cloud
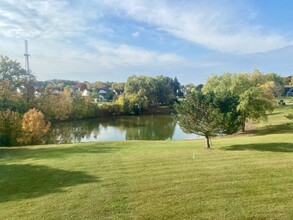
[[67, 37], [218, 25], [112, 39]]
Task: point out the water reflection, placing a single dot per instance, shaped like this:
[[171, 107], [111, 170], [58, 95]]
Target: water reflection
[[159, 127]]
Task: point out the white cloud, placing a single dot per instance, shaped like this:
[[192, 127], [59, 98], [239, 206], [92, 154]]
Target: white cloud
[[221, 25], [64, 39], [46, 19], [135, 34], [70, 39]]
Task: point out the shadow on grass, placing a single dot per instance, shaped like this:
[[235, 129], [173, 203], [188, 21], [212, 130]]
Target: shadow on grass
[[54, 152], [273, 147], [273, 129], [18, 181]]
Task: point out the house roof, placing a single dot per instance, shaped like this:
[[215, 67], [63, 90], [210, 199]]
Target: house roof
[[81, 86]]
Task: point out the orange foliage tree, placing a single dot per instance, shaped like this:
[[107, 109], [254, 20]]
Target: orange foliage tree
[[34, 127]]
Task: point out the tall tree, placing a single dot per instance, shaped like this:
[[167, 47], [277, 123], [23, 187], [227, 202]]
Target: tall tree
[[254, 92], [12, 72]]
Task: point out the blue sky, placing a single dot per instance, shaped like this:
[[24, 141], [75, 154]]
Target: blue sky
[[109, 40]]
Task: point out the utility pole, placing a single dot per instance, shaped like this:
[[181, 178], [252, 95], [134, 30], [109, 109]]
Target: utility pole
[[26, 55], [28, 87]]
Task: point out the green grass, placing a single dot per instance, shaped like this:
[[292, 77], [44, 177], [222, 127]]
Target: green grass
[[243, 177]]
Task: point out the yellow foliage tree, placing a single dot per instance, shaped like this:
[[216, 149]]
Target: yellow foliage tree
[[34, 127]]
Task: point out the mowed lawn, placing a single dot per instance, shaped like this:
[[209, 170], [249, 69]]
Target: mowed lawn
[[243, 177]]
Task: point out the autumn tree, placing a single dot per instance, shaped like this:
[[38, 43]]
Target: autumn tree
[[34, 127]]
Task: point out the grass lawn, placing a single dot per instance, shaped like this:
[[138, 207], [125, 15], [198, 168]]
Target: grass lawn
[[243, 177]]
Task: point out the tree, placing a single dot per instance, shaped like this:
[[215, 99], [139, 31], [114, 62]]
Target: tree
[[165, 89], [10, 127], [34, 127], [155, 90], [11, 70], [57, 106], [118, 86], [230, 116], [133, 103], [82, 107], [254, 92], [254, 104], [207, 115]]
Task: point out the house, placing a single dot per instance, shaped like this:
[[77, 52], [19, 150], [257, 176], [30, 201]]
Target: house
[[55, 90], [102, 95], [86, 92], [118, 91], [80, 87], [289, 90]]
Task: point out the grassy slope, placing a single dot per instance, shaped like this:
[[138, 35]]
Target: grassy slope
[[243, 177]]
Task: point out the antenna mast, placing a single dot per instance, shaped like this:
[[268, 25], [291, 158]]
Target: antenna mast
[[26, 55]]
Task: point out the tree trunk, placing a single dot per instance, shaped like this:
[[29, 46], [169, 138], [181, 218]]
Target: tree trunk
[[207, 142], [243, 126]]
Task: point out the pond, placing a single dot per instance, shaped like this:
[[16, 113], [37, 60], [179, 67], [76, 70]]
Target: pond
[[150, 127]]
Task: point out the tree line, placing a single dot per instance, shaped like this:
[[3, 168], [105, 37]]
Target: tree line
[[235, 98], [22, 97]]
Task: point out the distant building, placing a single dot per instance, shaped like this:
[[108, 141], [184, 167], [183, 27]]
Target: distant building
[[102, 95], [55, 90], [80, 87], [85, 93], [118, 91], [288, 90]]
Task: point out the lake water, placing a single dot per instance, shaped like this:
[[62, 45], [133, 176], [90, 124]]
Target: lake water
[[156, 127]]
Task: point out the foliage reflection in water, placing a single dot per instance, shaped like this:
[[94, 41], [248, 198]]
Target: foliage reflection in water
[[156, 127]]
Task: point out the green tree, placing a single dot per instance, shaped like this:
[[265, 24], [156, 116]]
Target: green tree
[[175, 86], [10, 99], [165, 89], [207, 115], [230, 116], [11, 70], [154, 90], [10, 127], [134, 103], [82, 107], [254, 93], [254, 104], [118, 86], [57, 106]]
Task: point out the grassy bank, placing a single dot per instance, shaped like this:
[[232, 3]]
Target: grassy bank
[[243, 177]]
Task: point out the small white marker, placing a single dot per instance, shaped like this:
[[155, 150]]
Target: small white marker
[[193, 156]]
